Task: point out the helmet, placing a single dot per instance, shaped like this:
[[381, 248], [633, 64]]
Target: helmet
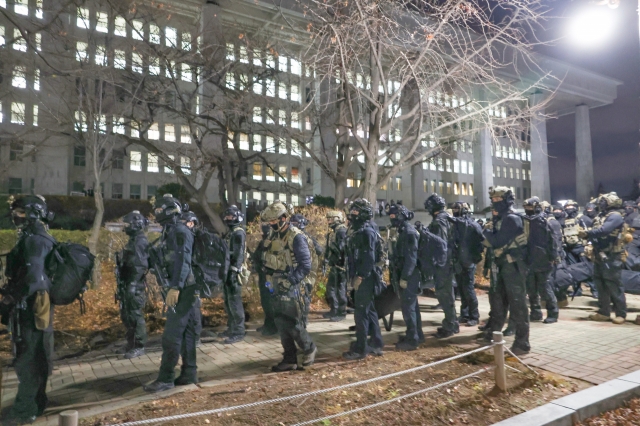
[[532, 205], [29, 209], [501, 192], [167, 208], [189, 216], [401, 213], [591, 209], [571, 207], [545, 206], [571, 203], [233, 216], [609, 201], [363, 208], [460, 209], [134, 222], [335, 217], [434, 203], [299, 221], [276, 211], [629, 206], [290, 209]]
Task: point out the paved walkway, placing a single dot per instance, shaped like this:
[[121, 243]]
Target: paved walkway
[[575, 347]]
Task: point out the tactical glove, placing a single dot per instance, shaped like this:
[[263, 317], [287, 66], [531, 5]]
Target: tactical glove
[[582, 234], [356, 283], [403, 283], [172, 297], [41, 310]]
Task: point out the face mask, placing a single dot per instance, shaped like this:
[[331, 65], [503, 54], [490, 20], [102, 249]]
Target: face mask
[[602, 205], [456, 213], [628, 210], [571, 213], [500, 206], [530, 212], [128, 229], [558, 215], [590, 213], [275, 226]]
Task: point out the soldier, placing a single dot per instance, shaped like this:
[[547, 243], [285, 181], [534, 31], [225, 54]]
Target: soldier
[[232, 289], [269, 326], [287, 263], [443, 276], [191, 221], [542, 253], [586, 218], [573, 245], [26, 301], [182, 298], [132, 270], [464, 266], [336, 293], [405, 272], [301, 222], [630, 212], [608, 246], [361, 263], [505, 236], [556, 228]]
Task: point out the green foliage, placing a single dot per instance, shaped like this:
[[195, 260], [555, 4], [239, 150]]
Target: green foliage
[[175, 189], [320, 200]]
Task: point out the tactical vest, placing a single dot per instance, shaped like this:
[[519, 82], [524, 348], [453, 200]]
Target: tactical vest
[[244, 273], [331, 251], [570, 232], [613, 243], [279, 253], [518, 243]]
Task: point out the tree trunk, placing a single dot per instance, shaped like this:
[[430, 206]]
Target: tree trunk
[[370, 181], [94, 236], [340, 184], [214, 219]]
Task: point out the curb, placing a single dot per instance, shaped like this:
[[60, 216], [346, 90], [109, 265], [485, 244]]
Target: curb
[[580, 405]]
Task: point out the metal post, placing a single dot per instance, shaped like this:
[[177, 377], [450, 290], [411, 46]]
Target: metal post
[[498, 354], [68, 418]]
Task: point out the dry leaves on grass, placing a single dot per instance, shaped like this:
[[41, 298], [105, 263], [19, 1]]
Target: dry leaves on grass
[[629, 415]]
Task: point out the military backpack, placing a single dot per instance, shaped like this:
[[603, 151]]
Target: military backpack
[[210, 262]]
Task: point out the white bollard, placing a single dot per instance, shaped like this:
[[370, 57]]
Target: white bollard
[[68, 418], [498, 354]]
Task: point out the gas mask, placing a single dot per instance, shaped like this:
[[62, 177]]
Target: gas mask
[[500, 206], [572, 212]]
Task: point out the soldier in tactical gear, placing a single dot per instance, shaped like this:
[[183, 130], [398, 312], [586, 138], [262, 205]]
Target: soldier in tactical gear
[[543, 252], [132, 269], [191, 221], [505, 236], [464, 267], [556, 228], [630, 212], [443, 276], [405, 273], [608, 250], [573, 244], [26, 305], [182, 298], [287, 264], [336, 293], [590, 213], [257, 259], [301, 222], [232, 290], [361, 265]]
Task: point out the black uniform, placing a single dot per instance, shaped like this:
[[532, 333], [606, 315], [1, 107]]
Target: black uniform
[[336, 293], [405, 267], [465, 269], [443, 276], [131, 289], [269, 326], [232, 288], [542, 252], [179, 336], [34, 347], [607, 271], [508, 276], [361, 254]]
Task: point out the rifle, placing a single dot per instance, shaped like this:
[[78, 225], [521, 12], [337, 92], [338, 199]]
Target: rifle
[[155, 266]]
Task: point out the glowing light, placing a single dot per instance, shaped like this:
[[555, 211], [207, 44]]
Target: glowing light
[[592, 27]]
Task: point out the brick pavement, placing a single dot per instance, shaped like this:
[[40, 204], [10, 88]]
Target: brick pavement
[[575, 347]]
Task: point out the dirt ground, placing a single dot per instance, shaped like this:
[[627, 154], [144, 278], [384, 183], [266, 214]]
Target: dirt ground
[[473, 401], [628, 415]]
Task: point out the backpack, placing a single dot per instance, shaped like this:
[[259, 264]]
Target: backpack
[[69, 266], [543, 247], [432, 251], [470, 238], [210, 262]]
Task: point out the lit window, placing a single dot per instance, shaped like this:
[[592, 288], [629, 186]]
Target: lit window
[[186, 41], [119, 59], [271, 87], [470, 168], [118, 125], [137, 32], [295, 96], [169, 133], [257, 58], [257, 143], [101, 123], [170, 37], [295, 178], [185, 134], [529, 174], [269, 174], [257, 171], [257, 87], [257, 115], [270, 116], [257, 196], [19, 78], [135, 161], [498, 151], [295, 148], [504, 172], [270, 197], [82, 19], [19, 43], [448, 187], [136, 62], [244, 56], [464, 188], [231, 52], [35, 115], [135, 130], [2, 36], [185, 165], [186, 74], [271, 63], [307, 123], [169, 70], [120, 27], [271, 145], [518, 174], [282, 63], [152, 163], [154, 34], [448, 163], [39, 13], [295, 67], [463, 167], [511, 172], [456, 166], [440, 166], [398, 183], [294, 200], [168, 165], [282, 90], [154, 66], [282, 173], [497, 173], [17, 113], [282, 117], [101, 56], [154, 132], [21, 7], [102, 23], [433, 186], [244, 141], [230, 82], [295, 124], [38, 42], [456, 188], [81, 121]]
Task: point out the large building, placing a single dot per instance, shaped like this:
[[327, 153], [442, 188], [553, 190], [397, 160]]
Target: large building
[[99, 35]]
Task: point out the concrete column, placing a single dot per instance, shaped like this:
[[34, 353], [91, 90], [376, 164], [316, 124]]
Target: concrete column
[[417, 177], [540, 184], [584, 156], [483, 170]]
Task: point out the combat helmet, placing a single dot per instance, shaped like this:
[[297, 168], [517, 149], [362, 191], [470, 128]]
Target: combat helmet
[[545, 206], [299, 221], [189, 216], [233, 216], [167, 208], [276, 211], [134, 222], [532, 205], [400, 213], [434, 203], [629, 206], [335, 217], [460, 209], [506, 195], [363, 208], [609, 201], [29, 209]]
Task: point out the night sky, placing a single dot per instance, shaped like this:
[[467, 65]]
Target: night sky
[[614, 128]]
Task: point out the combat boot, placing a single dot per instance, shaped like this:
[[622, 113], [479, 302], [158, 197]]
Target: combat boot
[[233, 339], [284, 366], [508, 332], [338, 318], [158, 386], [353, 355], [550, 320], [443, 334], [405, 346], [134, 353], [328, 315], [123, 349], [535, 315], [518, 351], [184, 381], [599, 317], [618, 320], [309, 359]]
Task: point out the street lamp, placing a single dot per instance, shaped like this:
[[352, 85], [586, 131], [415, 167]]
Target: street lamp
[[591, 27]]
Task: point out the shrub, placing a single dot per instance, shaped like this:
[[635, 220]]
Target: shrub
[[320, 200]]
